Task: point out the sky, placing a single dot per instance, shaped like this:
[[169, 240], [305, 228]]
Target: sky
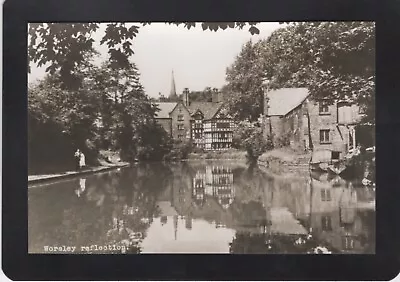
[[198, 58]]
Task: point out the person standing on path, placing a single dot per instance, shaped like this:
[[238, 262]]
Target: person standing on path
[[77, 157], [82, 162]]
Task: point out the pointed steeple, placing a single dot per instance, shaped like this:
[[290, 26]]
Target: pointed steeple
[[172, 94]]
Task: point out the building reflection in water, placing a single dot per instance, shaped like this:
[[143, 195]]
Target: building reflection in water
[[328, 209], [214, 181], [202, 207], [343, 215]]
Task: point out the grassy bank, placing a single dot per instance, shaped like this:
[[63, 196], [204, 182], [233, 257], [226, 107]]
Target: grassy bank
[[231, 154]]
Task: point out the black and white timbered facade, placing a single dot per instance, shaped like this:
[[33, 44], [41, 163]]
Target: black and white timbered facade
[[211, 129]]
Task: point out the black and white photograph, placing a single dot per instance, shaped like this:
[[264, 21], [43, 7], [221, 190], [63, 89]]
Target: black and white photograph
[[201, 137]]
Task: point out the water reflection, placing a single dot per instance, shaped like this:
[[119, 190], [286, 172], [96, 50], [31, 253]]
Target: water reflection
[[214, 206]]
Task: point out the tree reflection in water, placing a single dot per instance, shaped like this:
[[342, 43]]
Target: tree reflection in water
[[134, 207], [262, 210], [248, 243]]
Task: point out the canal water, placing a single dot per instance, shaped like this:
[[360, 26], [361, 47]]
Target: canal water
[[201, 207]]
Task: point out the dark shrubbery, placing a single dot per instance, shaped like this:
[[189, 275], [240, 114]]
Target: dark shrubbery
[[180, 150], [282, 141], [250, 137]]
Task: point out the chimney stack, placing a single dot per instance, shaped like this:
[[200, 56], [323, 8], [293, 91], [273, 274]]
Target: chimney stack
[[186, 97], [216, 96]]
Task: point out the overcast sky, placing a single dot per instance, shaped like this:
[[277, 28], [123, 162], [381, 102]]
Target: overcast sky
[[198, 58]]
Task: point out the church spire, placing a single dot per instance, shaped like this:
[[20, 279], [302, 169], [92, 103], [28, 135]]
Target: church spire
[[172, 94]]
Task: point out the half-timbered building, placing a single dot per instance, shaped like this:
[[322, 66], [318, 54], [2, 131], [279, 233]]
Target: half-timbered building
[[211, 127]]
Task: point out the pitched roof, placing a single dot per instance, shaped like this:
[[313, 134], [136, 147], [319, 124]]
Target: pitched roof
[[209, 109], [282, 101], [165, 109]]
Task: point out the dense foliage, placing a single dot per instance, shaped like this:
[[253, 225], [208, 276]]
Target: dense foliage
[[179, 150], [249, 136], [245, 84], [64, 46], [332, 59], [110, 110], [59, 121]]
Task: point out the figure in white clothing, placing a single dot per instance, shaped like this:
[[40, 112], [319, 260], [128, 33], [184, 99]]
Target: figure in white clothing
[[82, 162], [82, 187]]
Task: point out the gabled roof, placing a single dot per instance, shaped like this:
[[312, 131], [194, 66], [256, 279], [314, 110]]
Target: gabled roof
[[209, 109], [165, 109], [284, 100]]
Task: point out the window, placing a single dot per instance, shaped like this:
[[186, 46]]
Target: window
[[199, 183], [348, 242], [197, 135], [180, 136], [326, 195], [323, 108], [362, 110], [181, 127], [180, 117], [335, 155], [326, 223], [223, 125], [324, 136]]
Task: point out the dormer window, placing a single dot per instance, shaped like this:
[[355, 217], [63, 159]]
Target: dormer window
[[180, 117]]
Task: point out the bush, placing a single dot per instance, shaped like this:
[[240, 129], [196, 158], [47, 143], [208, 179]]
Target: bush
[[282, 141], [197, 150], [249, 137], [154, 144], [180, 150]]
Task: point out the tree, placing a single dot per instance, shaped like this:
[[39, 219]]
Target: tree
[[249, 136], [60, 121], [110, 110], [201, 96], [245, 80], [64, 46], [125, 110], [334, 60]]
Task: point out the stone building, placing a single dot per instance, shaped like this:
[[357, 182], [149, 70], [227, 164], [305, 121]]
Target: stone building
[[285, 116], [292, 117], [174, 117]]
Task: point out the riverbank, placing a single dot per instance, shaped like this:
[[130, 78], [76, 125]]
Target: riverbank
[[285, 160], [230, 154], [107, 161], [42, 178]]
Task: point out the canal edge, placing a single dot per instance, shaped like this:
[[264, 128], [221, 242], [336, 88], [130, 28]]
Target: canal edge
[[72, 175]]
